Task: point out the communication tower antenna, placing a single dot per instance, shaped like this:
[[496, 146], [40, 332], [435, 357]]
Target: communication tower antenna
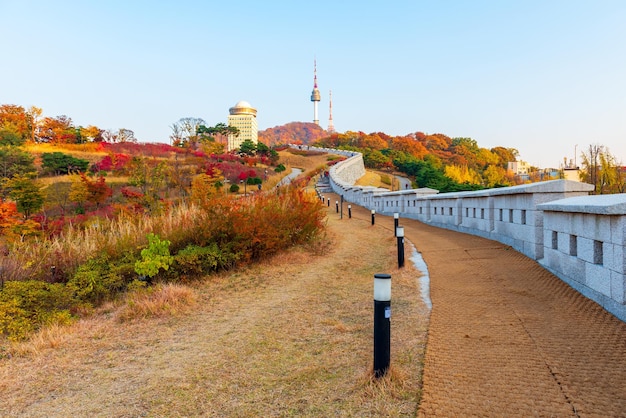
[[331, 127], [315, 94]]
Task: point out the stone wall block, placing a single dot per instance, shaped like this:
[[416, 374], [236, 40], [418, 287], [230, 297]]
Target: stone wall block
[[618, 287], [599, 279]]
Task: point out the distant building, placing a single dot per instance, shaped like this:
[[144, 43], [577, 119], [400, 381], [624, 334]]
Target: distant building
[[570, 170], [518, 168], [243, 117]]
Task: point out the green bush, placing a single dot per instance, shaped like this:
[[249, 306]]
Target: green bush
[[27, 305], [96, 280], [194, 260], [155, 257]]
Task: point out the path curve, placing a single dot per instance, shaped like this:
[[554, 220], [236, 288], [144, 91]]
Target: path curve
[[508, 338]]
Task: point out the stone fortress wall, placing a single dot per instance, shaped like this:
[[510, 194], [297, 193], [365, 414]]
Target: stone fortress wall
[[579, 238]]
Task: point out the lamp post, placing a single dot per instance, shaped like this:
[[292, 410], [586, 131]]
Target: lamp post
[[400, 237], [373, 216], [396, 219], [245, 187], [382, 323]]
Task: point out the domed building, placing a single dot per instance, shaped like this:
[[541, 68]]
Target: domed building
[[243, 117]]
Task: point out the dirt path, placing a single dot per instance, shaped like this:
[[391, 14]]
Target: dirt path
[[288, 337], [507, 338]]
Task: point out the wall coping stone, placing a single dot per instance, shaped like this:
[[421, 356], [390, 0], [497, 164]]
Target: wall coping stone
[[608, 204]]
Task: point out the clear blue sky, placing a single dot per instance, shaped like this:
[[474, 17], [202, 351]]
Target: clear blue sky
[[540, 76]]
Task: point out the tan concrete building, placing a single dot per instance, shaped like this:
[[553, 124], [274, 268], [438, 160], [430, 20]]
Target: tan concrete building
[[243, 117]]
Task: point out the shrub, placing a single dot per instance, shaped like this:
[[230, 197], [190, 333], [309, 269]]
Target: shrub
[[96, 280], [194, 260], [155, 257], [27, 305]]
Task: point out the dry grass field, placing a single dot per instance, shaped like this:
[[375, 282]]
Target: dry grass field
[[291, 336]]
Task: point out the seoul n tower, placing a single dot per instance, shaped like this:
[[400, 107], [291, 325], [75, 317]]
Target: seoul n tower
[[315, 95]]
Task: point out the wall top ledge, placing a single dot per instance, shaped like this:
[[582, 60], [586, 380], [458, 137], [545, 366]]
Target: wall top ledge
[[552, 186], [607, 204], [422, 191]]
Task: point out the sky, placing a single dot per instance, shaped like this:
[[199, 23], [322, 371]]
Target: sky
[[546, 77]]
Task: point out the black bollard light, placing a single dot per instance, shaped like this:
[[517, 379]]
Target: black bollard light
[[323, 199], [341, 216], [349, 211], [336, 206], [396, 219], [328, 200], [373, 216], [382, 323], [400, 236]]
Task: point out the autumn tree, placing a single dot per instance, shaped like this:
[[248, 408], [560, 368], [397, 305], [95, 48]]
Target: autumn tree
[[34, 119], [14, 161], [600, 168], [26, 193], [14, 119], [495, 176], [79, 193], [462, 174], [203, 186], [10, 138], [185, 132], [57, 130], [126, 135], [91, 133]]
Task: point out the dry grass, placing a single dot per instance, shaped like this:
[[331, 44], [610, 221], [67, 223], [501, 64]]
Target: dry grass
[[288, 337], [302, 161], [158, 301], [371, 178]]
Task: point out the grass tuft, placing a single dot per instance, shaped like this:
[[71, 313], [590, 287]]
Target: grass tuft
[[158, 301]]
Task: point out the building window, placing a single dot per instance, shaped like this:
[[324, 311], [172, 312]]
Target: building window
[[511, 215], [500, 215], [482, 214], [523, 217], [555, 240]]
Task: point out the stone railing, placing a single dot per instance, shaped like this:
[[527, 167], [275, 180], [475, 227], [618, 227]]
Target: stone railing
[[579, 238]]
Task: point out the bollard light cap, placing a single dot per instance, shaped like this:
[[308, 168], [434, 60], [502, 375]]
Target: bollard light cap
[[382, 287], [396, 215], [373, 211]]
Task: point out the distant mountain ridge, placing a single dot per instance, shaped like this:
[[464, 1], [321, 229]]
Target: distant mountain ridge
[[292, 133]]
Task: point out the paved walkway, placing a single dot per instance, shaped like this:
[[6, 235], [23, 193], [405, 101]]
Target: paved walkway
[[507, 338]]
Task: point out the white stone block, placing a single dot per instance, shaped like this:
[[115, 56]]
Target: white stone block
[[585, 249], [618, 230], [574, 268], [618, 287], [598, 278], [552, 259]]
